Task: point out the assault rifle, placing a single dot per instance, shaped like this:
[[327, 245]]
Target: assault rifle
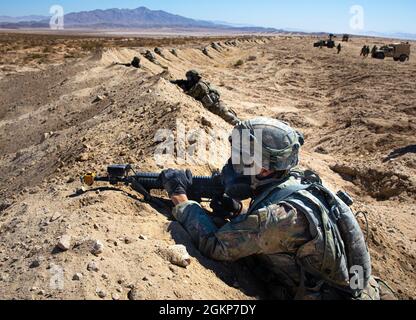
[[203, 188], [185, 85]]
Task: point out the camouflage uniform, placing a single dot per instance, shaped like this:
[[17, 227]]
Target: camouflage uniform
[[373, 51], [210, 98], [215, 46], [298, 236], [159, 52], [275, 234], [205, 51], [134, 63], [151, 57]]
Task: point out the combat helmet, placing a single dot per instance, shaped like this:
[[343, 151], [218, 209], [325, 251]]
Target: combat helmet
[[265, 143], [193, 75]]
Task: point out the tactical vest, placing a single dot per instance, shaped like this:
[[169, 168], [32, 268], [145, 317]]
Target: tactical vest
[[212, 97], [338, 247]]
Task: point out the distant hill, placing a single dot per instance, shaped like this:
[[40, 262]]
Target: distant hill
[[125, 18], [140, 17], [8, 19], [393, 35]]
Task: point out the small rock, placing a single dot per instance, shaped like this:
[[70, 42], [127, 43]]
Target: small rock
[[101, 293], [97, 248], [92, 266], [83, 157], [142, 237], [115, 297], [46, 136], [206, 123], [77, 276], [70, 180], [64, 242], [35, 264], [173, 269], [104, 276], [55, 217], [98, 99], [178, 255], [134, 294], [128, 240], [80, 191]]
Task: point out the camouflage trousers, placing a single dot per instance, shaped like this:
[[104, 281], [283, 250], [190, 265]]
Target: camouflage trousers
[[222, 111], [376, 290]]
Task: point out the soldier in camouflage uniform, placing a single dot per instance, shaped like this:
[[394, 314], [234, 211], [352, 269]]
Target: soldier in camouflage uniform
[[151, 57], [209, 97], [205, 51], [216, 47], [159, 52], [373, 51], [134, 63], [302, 239]]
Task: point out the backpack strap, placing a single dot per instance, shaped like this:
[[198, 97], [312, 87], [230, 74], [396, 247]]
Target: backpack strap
[[283, 194]]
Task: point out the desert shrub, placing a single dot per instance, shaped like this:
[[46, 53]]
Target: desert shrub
[[239, 63], [34, 56], [47, 49], [91, 45]]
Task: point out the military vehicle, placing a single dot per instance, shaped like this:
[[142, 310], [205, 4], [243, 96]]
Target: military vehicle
[[346, 38], [397, 51], [325, 43]]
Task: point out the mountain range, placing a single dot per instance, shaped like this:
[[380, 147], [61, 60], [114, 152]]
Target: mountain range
[[7, 19], [141, 17]]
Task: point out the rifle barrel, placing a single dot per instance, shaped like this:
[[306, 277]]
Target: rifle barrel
[[202, 187]]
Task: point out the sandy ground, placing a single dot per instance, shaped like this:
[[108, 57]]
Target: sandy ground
[[358, 116]]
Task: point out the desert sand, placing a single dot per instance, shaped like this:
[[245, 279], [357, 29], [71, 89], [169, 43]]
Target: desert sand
[[358, 116]]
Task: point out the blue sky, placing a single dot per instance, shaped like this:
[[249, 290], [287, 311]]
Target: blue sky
[[309, 15]]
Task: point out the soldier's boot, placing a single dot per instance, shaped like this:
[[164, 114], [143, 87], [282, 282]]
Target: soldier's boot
[[231, 118], [386, 293], [377, 290], [221, 110]]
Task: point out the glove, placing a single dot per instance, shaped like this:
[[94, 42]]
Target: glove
[[226, 207], [176, 182]]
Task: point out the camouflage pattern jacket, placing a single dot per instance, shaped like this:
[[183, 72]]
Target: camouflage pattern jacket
[[203, 92], [288, 234]]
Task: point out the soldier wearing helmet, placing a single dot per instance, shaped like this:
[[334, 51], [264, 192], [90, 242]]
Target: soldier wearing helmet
[[297, 236], [202, 91], [134, 63], [151, 57]]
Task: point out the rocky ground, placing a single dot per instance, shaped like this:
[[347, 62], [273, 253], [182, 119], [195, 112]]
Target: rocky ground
[[66, 109]]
